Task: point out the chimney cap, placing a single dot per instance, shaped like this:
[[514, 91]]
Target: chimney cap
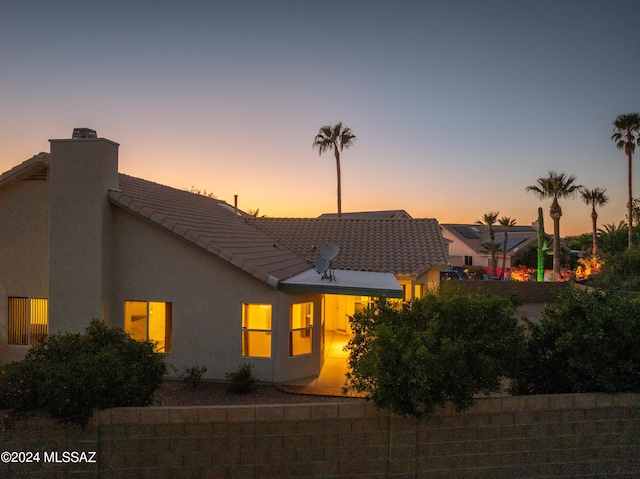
[[83, 133]]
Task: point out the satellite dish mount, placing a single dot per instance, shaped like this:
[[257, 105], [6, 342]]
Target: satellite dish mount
[[322, 265]]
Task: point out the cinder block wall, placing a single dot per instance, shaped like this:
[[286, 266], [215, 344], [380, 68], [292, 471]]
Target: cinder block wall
[[560, 436]]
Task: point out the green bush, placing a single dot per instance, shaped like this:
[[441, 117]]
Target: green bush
[[193, 375], [450, 345], [69, 375], [242, 380], [585, 342], [620, 271]]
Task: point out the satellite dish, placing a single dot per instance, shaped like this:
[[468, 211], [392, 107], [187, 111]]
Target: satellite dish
[[328, 251], [321, 265]]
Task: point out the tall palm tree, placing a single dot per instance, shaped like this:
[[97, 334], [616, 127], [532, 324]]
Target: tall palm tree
[[506, 223], [626, 134], [594, 197], [556, 185], [334, 138], [489, 219]]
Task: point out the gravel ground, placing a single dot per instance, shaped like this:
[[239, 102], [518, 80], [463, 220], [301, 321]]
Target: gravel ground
[[211, 393]]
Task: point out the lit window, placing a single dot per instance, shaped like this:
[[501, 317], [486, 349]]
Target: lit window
[[256, 330], [149, 320], [301, 329], [28, 320], [362, 302]]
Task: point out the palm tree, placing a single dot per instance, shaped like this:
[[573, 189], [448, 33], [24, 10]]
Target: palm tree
[[334, 138], [626, 134], [489, 219], [556, 185], [594, 197], [506, 223]]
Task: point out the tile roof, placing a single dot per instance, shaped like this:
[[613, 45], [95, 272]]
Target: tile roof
[[399, 246], [272, 249], [372, 215], [211, 224], [33, 167], [474, 235]]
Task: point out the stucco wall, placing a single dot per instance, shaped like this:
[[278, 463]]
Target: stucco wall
[[24, 249], [563, 436], [81, 172], [207, 296]]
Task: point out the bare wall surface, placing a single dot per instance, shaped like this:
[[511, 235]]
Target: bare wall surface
[[555, 436]]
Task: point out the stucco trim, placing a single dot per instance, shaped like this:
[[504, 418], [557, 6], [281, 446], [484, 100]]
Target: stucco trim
[[354, 283]]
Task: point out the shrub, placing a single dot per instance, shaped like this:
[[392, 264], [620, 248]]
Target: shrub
[[242, 380], [585, 342], [193, 375], [69, 375], [620, 271], [450, 345]]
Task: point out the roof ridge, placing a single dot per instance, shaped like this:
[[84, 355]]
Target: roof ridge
[[25, 168]]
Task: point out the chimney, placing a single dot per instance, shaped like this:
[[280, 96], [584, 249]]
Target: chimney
[[82, 170]]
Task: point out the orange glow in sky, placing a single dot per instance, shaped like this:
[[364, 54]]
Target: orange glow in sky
[[457, 108]]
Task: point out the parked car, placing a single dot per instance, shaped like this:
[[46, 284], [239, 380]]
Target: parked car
[[450, 275]]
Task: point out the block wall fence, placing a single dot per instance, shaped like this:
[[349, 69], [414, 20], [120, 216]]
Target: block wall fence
[[551, 436]]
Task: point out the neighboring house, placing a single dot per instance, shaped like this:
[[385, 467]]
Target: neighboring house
[[210, 285], [466, 248]]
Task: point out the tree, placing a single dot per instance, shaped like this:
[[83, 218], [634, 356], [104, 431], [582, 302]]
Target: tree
[[334, 138], [626, 134], [449, 345], [556, 185], [594, 197], [613, 238], [506, 223], [586, 341], [198, 191], [635, 211], [489, 219]]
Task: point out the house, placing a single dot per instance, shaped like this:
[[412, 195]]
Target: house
[[209, 284], [466, 243]]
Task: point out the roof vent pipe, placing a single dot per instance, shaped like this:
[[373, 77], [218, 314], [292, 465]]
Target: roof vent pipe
[[235, 204]]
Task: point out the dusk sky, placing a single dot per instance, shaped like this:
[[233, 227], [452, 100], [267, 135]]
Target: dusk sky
[[457, 106]]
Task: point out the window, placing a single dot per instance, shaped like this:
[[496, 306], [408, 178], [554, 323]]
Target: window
[[149, 320], [363, 302], [256, 330], [468, 260], [28, 320], [301, 329]]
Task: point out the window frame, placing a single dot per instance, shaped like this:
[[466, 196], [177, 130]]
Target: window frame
[[304, 332], [248, 331], [32, 314], [168, 324]]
